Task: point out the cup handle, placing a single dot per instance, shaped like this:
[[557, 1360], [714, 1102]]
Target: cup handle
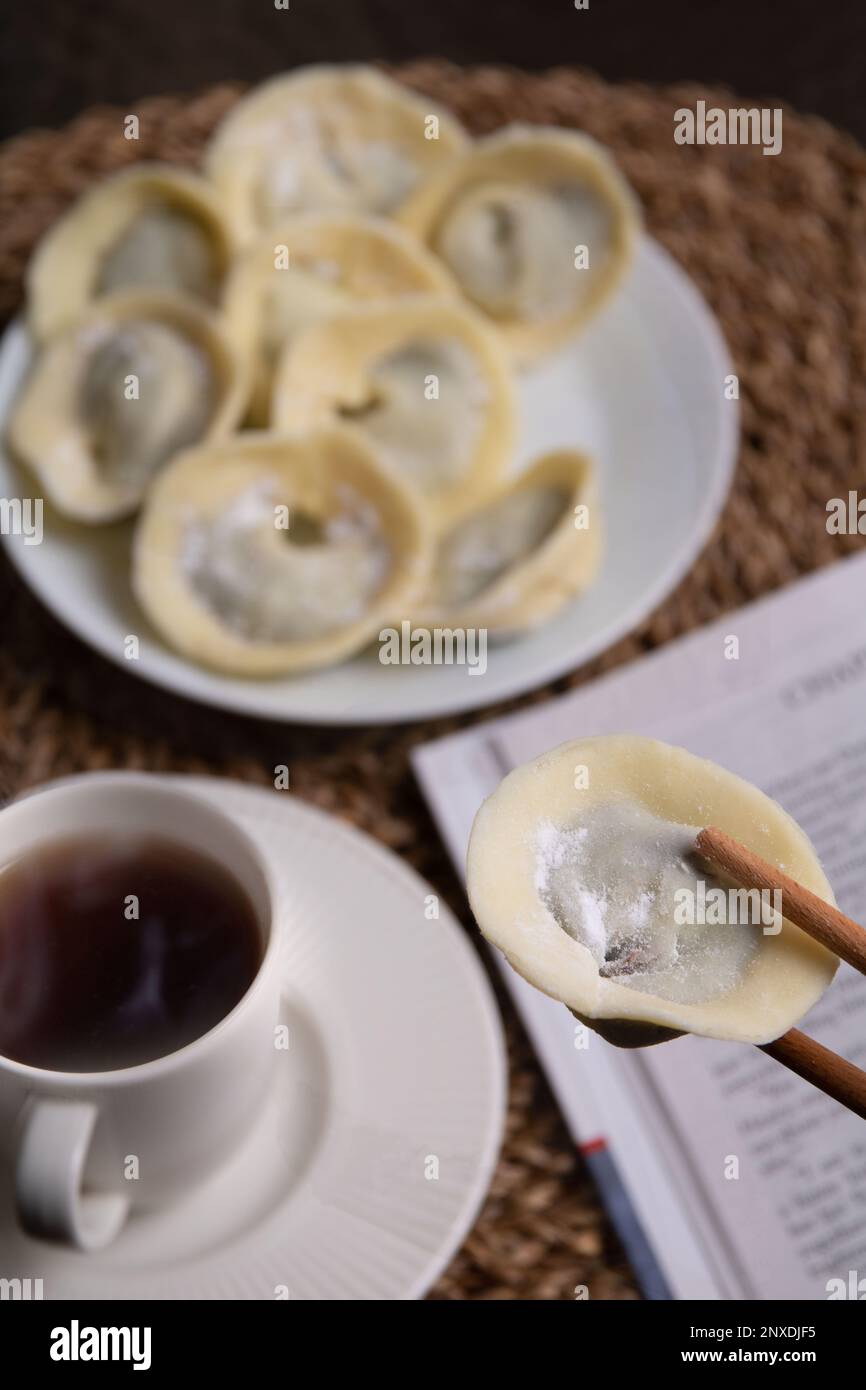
[[49, 1178]]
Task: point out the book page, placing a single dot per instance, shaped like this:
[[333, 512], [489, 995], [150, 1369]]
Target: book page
[[785, 1165]]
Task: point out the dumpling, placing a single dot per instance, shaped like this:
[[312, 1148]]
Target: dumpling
[[111, 399], [536, 225], [422, 380], [313, 266], [582, 871], [522, 554], [267, 554], [150, 227], [327, 139]]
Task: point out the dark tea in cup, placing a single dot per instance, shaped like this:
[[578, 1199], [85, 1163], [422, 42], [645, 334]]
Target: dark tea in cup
[[119, 949]]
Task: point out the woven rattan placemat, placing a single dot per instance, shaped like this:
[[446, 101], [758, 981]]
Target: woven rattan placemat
[[778, 247]]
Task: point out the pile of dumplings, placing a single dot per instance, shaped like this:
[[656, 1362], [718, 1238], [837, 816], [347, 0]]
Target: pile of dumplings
[[296, 369]]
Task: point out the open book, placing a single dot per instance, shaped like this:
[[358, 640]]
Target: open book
[[727, 1176]]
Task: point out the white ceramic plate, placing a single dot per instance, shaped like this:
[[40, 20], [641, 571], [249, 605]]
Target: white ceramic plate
[[395, 1059], [643, 390]]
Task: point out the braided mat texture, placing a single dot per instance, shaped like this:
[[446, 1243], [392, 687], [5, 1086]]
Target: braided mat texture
[[778, 247]]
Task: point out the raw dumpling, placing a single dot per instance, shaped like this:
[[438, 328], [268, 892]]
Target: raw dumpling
[[581, 869], [536, 225], [267, 554], [422, 380], [311, 267], [151, 227], [111, 399], [525, 552], [327, 138]]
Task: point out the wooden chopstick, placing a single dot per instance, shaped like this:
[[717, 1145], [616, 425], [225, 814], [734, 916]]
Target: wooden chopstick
[[833, 1075], [825, 1069], [844, 937]]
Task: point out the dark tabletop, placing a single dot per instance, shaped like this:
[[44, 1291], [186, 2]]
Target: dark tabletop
[[59, 57]]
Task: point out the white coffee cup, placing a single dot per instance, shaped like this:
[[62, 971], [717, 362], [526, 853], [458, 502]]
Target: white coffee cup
[[72, 1136]]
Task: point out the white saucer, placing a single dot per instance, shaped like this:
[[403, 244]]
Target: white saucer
[[395, 1059], [643, 390]]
